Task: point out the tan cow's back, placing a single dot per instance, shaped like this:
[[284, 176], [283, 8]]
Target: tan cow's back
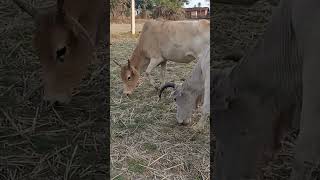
[[173, 40]]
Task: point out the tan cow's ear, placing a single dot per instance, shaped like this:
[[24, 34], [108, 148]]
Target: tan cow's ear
[[134, 70], [129, 66], [222, 90]]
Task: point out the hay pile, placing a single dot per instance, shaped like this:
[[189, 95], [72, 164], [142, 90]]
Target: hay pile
[[37, 140], [238, 28]]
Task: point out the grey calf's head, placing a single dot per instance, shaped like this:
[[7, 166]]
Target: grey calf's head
[[185, 101]]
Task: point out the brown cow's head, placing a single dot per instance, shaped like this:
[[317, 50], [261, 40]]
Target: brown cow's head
[[64, 48], [130, 76]]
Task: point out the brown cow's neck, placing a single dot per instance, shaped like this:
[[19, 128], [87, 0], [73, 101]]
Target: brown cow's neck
[[137, 58]]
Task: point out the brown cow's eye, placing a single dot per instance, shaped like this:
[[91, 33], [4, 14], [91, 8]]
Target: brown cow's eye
[[60, 53], [129, 78]]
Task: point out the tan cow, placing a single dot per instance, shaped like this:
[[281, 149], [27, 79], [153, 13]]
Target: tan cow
[[162, 41], [65, 39]]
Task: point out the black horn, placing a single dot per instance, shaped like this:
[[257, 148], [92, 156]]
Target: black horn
[[165, 86], [116, 63]]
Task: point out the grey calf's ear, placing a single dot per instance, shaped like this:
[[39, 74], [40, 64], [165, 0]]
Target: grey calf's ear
[[221, 90], [234, 56]]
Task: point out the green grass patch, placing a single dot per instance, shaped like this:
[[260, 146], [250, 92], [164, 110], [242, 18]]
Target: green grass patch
[[150, 147], [135, 166]]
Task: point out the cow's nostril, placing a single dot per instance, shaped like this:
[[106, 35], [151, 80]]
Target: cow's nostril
[[182, 123], [56, 103], [185, 123]]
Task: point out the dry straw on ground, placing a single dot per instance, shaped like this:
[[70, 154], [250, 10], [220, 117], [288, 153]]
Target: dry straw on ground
[[146, 142], [37, 140], [235, 28]]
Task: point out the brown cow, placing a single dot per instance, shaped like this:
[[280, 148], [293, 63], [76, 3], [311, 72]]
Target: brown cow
[[161, 41], [65, 40]]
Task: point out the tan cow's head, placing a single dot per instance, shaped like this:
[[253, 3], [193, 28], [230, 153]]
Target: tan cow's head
[[64, 48], [130, 76]]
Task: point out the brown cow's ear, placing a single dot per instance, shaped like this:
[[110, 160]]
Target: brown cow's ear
[[60, 6], [72, 23], [60, 15], [78, 30]]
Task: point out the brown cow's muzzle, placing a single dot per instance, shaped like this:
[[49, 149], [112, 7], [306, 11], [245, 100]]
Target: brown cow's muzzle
[[61, 98], [127, 93]]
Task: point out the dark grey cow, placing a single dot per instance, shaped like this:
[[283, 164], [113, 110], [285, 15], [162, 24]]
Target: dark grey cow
[[256, 103]]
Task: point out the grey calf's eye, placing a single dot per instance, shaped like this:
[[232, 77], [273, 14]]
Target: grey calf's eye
[[60, 53]]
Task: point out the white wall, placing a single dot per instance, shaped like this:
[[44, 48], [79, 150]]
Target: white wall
[[204, 3]]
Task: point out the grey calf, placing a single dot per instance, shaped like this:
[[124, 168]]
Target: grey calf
[[197, 86]]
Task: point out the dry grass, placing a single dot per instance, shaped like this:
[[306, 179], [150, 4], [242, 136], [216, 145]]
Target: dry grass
[[237, 28], [146, 142], [41, 141]]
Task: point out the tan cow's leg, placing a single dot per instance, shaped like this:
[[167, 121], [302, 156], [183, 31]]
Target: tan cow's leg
[[163, 72], [153, 63]]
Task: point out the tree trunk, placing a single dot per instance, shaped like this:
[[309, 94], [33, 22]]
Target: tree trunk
[[133, 18], [144, 10]]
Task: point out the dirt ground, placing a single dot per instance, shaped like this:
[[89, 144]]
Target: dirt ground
[[146, 142], [38, 140], [116, 28], [123, 28]]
